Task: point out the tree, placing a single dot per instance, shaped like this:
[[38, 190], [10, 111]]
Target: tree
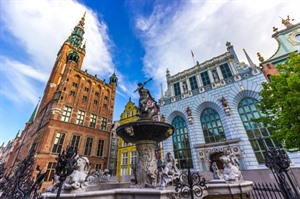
[[281, 103]]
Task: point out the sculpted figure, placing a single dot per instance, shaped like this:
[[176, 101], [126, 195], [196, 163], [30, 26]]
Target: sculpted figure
[[169, 171], [224, 102], [216, 172], [148, 107], [230, 172], [78, 178]]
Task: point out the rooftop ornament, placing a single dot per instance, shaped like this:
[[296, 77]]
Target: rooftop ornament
[[287, 21]]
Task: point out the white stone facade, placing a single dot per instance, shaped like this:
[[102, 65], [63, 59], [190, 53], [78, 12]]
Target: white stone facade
[[246, 81]]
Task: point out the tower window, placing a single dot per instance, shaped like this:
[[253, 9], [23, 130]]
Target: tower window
[[75, 142], [86, 89], [84, 98], [88, 146], [105, 97], [105, 105], [93, 120], [98, 167], [100, 148], [80, 117], [75, 84], [50, 171], [72, 93], [66, 115], [95, 102], [97, 93], [58, 142], [103, 124]]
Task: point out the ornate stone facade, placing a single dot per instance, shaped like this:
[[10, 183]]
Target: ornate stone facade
[[221, 94]]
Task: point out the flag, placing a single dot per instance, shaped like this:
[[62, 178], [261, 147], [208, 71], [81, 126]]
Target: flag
[[192, 53]]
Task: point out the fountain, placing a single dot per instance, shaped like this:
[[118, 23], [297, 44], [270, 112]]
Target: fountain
[[151, 181], [145, 134]]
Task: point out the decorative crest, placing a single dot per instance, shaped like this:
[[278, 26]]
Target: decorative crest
[[286, 21]]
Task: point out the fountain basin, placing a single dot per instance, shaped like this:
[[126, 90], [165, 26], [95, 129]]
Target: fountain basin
[[145, 130]]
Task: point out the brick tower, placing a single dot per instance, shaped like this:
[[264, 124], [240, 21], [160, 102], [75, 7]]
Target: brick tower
[[76, 110]]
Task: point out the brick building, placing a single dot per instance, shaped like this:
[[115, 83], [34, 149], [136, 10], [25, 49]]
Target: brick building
[[76, 110]]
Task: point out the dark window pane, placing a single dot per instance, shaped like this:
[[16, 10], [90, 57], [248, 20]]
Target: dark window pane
[[181, 142]]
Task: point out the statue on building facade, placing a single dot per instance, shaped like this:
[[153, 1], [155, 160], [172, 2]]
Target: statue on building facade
[[231, 172]]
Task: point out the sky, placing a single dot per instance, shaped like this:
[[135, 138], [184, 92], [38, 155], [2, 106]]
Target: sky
[[138, 39]]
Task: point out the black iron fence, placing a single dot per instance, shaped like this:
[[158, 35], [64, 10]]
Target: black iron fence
[[266, 191]]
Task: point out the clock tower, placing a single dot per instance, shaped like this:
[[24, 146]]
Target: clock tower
[[76, 110], [288, 41]]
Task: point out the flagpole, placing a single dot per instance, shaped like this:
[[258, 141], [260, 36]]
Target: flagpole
[[193, 57]]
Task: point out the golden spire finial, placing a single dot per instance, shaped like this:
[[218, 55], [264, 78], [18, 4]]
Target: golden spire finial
[[81, 22], [286, 21], [260, 58]]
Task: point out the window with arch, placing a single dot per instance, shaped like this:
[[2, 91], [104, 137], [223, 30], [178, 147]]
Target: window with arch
[[181, 143], [212, 126], [259, 136]]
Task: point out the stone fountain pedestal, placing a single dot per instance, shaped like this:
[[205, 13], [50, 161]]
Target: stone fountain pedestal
[[145, 134]]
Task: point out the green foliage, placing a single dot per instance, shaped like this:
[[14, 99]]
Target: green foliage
[[281, 103]]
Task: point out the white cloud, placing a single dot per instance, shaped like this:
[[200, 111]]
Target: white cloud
[[169, 34], [40, 27], [20, 80]]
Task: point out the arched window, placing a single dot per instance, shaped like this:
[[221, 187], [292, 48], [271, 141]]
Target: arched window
[[181, 143], [258, 135], [212, 127]]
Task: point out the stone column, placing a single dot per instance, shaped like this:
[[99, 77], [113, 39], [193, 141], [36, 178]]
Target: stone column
[[187, 80], [199, 80], [232, 67], [147, 165], [219, 73], [211, 78]]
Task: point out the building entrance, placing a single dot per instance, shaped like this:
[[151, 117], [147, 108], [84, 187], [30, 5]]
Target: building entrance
[[215, 157]]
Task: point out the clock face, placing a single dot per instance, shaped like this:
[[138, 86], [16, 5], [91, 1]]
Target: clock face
[[297, 37], [294, 37]]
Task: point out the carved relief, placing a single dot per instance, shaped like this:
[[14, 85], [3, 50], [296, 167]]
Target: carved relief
[[129, 130], [146, 165]]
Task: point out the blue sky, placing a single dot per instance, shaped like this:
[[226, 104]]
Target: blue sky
[[138, 39]]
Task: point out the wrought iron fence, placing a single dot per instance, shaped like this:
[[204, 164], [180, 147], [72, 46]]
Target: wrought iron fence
[[266, 191], [278, 162], [188, 185], [22, 185]]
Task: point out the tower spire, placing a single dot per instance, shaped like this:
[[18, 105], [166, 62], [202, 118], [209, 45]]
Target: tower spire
[[32, 117], [252, 65], [76, 36]]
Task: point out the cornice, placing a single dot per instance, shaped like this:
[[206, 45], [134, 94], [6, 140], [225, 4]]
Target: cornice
[[197, 68]]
